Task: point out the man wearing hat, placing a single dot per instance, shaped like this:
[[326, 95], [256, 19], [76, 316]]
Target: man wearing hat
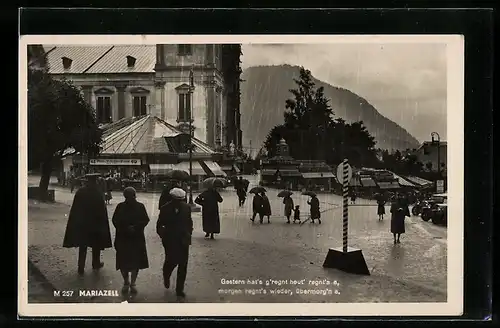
[[165, 194], [88, 224], [175, 227]]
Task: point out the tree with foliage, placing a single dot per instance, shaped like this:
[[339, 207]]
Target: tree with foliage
[[58, 119], [312, 133]]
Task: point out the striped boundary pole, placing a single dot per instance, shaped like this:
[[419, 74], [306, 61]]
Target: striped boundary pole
[[345, 194]]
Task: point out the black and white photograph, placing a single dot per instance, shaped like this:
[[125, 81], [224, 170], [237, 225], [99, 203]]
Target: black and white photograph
[[241, 175]]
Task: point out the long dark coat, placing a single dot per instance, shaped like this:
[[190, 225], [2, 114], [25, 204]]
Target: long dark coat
[[288, 201], [266, 206], [314, 208], [175, 227], [380, 207], [88, 224], [209, 200], [257, 204], [398, 213], [130, 219]]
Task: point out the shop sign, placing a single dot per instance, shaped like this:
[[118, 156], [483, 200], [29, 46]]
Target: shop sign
[[115, 161]]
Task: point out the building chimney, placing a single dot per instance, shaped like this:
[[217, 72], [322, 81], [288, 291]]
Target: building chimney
[[130, 61], [66, 62]]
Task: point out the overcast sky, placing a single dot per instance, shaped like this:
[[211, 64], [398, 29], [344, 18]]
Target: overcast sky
[[404, 82]]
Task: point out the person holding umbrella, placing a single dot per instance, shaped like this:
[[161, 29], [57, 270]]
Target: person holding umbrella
[[130, 219], [257, 204], [88, 224], [314, 208], [288, 202], [266, 206], [209, 201], [380, 207]]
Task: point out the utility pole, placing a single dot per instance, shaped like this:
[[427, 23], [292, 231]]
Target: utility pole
[[438, 153], [191, 89]]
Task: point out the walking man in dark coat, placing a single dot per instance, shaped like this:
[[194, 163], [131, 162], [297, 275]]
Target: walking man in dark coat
[[240, 191], [88, 224], [266, 207], [209, 201], [257, 207], [175, 227]]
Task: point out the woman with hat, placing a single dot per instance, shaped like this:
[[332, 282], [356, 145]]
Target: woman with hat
[[130, 219], [175, 227], [399, 210]]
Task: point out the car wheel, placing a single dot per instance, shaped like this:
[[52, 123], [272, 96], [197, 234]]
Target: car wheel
[[426, 216], [415, 211]]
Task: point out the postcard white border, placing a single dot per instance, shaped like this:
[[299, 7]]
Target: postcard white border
[[455, 139]]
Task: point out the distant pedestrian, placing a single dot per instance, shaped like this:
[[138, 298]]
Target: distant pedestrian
[[353, 197], [296, 214], [175, 228], [209, 201], [257, 205], [380, 207], [241, 191], [88, 224], [288, 201], [314, 209], [266, 207], [399, 210], [130, 219]]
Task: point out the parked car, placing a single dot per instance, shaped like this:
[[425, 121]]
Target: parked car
[[440, 214], [430, 205]]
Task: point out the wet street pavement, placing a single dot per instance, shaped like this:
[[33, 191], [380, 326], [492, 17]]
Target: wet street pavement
[[288, 256]]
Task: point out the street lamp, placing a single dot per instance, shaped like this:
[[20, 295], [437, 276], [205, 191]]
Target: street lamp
[[438, 137], [191, 89]]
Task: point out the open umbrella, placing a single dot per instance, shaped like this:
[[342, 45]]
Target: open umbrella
[[214, 182], [177, 175], [257, 190], [309, 193], [285, 193]]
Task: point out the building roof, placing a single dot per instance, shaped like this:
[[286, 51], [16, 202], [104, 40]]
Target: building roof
[[144, 134], [442, 144], [101, 59], [418, 181]]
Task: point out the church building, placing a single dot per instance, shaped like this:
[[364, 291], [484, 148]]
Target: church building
[[123, 81]]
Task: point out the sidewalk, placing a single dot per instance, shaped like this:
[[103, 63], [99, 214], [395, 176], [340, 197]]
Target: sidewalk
[[402, 273]]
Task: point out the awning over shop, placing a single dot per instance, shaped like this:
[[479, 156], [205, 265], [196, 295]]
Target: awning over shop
[[230, 168], [355, 182], [160, 169], [318, 175], [388, 185], [368, 182], [419, 181], [215, 168], [403, 182], [184, 166], [290, 173], [268, 172]]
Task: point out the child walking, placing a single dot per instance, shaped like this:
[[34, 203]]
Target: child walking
[[296, 214]]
